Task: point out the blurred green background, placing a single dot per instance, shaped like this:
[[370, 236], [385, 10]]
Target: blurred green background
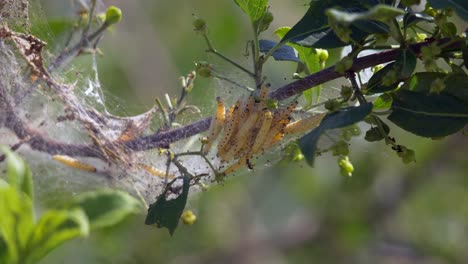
[[387, 212]]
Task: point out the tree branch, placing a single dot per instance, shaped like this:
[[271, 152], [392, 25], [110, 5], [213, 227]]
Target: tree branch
[[42, 143]]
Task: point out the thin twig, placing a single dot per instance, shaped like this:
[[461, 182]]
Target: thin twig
[[215, 52]]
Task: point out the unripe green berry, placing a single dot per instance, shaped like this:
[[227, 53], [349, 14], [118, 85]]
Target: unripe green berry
[[322, 54], [188, 217], [113, 15], [346, 167]]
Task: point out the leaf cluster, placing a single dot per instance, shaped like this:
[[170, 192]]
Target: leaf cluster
[[24, 238]]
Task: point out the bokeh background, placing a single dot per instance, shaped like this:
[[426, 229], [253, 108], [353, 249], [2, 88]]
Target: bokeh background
[[387, 212]]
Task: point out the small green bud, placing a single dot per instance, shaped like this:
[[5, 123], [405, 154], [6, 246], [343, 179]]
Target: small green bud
[[204, 187], [421, 36], [188, 217], [84, 18], [113, 15], [373, 135], [430, 11], [332, 105], [265, 21], [377, 68], [346, 167], [437, 86], [340, 148], [390, 78], [101, 17], [448, 12], [407, 155], [204, 140], [200, 25], [271, 103], [430, 65], [322, 54], [346, 92], [344, 64], [204, 69], [350, 131]]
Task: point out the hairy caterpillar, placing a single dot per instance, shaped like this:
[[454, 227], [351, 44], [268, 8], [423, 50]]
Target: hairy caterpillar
[[216, 124], [304, 124], [155, 172], [74, 163], [248, 128]]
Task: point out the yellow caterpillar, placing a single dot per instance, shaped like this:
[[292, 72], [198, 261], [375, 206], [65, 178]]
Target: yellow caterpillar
[[155, 172], [262, 133], [216, 124], [249, 128], [304, 124], [74, 163]]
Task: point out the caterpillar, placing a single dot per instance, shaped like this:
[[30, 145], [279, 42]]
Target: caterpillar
[[155, 172], [263, 132], [216, 124], [74, 163], [304, 124]]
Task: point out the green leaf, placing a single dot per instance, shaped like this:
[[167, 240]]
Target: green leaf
[[401, 69], [456, 83], [284, 53], [412, 18], [460, 6], [428, 115], [313, 20], [16, 220], [327, 39], [105, 208], [341, 118], [311, 60], [448, 29], [465, 56], [374, 133], [53, 229], [375, 84], [313, 29], [166, 213], [255, 9], [406, 63], [382, 13], [3, 250], [383, 102], [291, 153], [371, 26], [19, 173]]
